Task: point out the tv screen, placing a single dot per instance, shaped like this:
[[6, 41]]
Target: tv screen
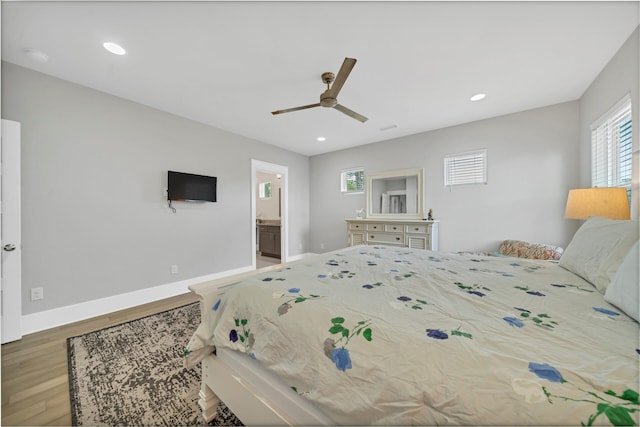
[[191, 188]]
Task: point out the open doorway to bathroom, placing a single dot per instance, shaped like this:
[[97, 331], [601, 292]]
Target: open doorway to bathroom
[[269, 213]]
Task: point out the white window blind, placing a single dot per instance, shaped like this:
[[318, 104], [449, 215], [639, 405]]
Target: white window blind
[[611, 147], [352, 180], [465, 168]]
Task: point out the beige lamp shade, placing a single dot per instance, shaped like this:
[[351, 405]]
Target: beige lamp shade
[[609, 203]]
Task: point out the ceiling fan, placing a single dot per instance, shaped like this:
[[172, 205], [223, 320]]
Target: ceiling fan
[[329, 98]]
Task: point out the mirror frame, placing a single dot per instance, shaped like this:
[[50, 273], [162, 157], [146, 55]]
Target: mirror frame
[[419, 172]]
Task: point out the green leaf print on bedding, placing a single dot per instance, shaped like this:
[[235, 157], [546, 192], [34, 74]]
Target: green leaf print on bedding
[[475, 289], [295, 297], [541, 319]]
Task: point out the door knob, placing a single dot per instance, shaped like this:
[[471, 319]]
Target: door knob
[[9, 247]]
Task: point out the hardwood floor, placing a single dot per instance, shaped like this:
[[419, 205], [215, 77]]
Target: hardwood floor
[[35, 378]]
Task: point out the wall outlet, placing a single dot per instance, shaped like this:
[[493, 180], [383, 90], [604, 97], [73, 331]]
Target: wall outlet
[[321, 245], [174, 269], [37, 294]]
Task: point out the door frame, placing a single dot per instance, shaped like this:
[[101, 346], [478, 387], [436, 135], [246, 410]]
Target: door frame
[[259, 165]]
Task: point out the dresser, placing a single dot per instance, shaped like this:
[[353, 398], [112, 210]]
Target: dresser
[[416, 234]]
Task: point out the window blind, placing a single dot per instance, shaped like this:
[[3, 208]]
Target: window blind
[[352, 180], [611, 138], [466, 168]]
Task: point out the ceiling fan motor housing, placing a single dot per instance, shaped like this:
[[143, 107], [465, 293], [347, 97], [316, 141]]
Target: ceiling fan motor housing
[[327, 100]]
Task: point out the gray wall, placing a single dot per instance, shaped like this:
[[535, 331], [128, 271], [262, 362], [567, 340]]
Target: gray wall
[[94, 215], [534, 158], [531, 166], [619, 77]]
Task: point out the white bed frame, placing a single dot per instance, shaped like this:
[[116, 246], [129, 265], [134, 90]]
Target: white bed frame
[[255, 395]]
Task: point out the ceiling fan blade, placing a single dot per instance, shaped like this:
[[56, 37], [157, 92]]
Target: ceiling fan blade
[[288, 110], [342, 75], [351, 113]]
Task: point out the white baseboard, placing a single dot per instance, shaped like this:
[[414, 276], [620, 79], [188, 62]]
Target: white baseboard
[[73, 313], [297, 257], [48, 319]]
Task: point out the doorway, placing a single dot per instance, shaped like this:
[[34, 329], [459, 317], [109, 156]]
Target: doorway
[[269, 185]]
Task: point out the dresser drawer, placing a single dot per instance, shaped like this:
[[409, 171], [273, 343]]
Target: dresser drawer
[[394, 228], [375, 227], [417, 229], [356, 226], [381, 237]]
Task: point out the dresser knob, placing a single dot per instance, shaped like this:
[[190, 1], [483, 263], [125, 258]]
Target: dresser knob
[[397, 238]]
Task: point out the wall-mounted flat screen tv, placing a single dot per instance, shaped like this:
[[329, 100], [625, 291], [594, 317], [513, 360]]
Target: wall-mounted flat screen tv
[[188, 187]]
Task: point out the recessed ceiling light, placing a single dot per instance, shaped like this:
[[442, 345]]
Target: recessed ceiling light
[[37, 55], [321, 138], [478, 96], [114, 48]]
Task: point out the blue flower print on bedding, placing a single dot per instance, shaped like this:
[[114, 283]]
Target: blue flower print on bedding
[[336, 349], [529, 291], [216, 306], [513, 322], [606, 311], [342, 359], [269, 279], [439, 334], [372, 285], [546, 372], [617, 408], [572, 287]]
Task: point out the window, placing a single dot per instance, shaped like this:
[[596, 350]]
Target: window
[[265, 190], [611, 148], [352, 180], [465, 168]]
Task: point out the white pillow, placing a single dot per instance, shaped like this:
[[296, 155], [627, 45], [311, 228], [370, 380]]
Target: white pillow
[[598, 248], [624, 290]]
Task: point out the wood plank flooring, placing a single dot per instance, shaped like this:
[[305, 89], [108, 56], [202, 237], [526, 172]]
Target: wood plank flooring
[[35, 378]]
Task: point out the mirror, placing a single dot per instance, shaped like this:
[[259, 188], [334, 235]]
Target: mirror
[[395, 194]]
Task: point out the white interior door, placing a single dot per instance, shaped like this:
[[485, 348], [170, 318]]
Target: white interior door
[[11, 244]]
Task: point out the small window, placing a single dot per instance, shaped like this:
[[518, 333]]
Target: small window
[[611, 142], [465, 168], [265, 190], [352, 180]]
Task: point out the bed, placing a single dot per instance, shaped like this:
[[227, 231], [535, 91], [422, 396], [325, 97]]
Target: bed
[[377, 335]]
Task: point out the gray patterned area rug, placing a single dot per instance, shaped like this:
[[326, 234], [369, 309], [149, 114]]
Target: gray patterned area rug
[[132, 374]]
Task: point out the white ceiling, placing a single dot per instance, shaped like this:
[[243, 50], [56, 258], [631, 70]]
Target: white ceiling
[[229, 64]]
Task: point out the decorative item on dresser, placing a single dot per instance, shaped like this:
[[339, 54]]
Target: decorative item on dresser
[[416, 234]]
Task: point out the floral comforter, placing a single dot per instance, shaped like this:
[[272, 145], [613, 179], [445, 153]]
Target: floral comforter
[[383, 335]]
